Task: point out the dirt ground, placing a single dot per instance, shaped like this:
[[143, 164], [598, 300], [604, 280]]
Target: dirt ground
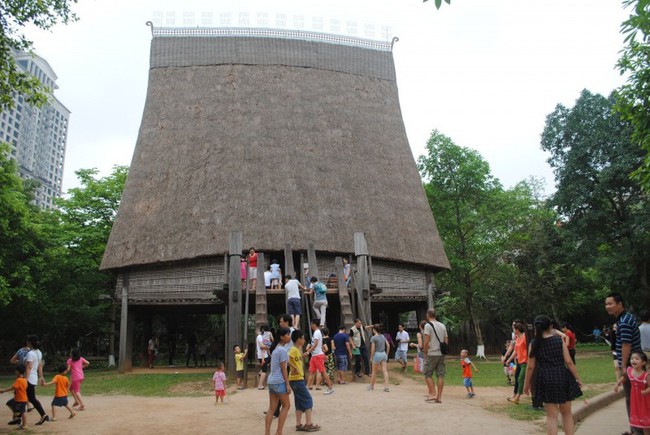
[[351, 409]]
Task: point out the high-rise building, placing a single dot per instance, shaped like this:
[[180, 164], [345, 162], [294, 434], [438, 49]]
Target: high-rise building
[[37, 136]]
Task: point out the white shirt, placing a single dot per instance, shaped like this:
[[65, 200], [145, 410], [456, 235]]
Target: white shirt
[[261, 353], [34, 356], [318, 349], [293, 289], [404, 337], [644, 332]]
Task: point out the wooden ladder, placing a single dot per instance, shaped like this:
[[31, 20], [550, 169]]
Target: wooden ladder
[[344, 297]]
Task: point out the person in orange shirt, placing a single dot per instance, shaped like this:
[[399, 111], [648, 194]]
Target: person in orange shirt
[[19, 402], [521, 352], [61, 387], [467, 365]]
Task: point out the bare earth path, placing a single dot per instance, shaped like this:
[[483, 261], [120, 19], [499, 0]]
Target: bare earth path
[[350, 410]]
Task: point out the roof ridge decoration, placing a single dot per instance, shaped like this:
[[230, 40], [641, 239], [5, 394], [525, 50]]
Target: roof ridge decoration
[[259, 32]]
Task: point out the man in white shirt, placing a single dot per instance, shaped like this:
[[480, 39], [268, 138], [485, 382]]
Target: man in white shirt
[[402, 338], [294, 303], [262, 356], [317, 361]]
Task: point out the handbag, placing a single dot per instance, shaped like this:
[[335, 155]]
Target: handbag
[[356, 351], [417, 365], [444, 347]]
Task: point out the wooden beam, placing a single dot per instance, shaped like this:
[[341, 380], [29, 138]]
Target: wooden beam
[[234, 302], [261, 313], [363, 280], [288, 261], [313, 271], [125, 363], [346, 310]]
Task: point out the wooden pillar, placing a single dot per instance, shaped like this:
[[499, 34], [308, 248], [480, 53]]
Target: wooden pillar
[[363, 281], [430, 288], [344, 296], [125, 363], [313, 271], [234, 318], [288, 270], [261, 312]]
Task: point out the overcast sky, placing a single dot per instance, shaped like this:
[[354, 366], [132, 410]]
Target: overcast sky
[[483, 72]]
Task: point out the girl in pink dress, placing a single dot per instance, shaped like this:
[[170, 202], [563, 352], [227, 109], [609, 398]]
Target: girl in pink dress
[[76, 365], [640, 392]]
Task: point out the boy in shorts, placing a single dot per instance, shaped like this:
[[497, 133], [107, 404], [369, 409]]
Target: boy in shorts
[[19, 402], [467, 366], [303, 400], [61, 386], [239, 365]]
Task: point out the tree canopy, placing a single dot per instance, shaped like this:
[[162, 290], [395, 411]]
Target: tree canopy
[[14, 16]]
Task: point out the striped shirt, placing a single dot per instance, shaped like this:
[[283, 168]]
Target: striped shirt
[[626, 332]]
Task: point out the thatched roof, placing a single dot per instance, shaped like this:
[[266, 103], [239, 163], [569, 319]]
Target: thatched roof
[[286, 141]]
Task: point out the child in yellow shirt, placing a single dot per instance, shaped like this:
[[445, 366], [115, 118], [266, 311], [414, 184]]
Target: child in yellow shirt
[[61, 387], [302, 397], [239, 365]]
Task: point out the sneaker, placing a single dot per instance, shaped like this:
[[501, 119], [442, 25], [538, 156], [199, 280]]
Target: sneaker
[[15, 421], [471, 395], [329, 391], [468, 396]]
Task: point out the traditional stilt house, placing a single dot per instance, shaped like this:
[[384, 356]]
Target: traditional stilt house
[[281, 141]]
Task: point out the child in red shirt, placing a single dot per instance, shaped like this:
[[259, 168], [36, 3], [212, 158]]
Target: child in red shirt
[[61, 387], [19, 402]]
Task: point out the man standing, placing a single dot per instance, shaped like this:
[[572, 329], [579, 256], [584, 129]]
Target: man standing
[[359, 350], [342, 352], [627, 340], [402, 338], [294, 305], [317, 360], [434, 333]]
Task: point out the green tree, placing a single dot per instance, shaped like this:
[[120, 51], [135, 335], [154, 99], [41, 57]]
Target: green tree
[[633, 98], [14, 16], [20, 239], [480, 224], [607, 214]]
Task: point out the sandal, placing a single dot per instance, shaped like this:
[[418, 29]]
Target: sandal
[[311, 427], [71, 415], [387, 390], [511, 400], [300, 428]]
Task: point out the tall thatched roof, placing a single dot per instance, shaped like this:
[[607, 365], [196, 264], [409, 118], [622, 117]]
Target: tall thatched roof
[[285, 140]]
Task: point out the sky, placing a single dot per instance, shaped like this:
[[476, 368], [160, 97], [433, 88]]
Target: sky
[[486, 73]]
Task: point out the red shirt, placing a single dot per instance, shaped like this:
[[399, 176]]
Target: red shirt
[[467, 367], [572, 339], [252, 260]]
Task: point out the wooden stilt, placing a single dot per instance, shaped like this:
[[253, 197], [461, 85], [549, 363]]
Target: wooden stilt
[[125, 363], [344, 297], [234, 335]]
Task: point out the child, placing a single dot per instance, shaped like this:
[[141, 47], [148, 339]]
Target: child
[[19, 402], [467, 365], [303, 400], [61, 385], [219, 379], [239, 365], [639, 393], [76, 365], [506, 367]]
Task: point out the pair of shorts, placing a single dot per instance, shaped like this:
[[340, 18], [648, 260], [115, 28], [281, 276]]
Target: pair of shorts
[[264, 364], [252, 272], [75, 385], [278, 388], [434, 364], [303, 399], [240, 374], [317, 363], [379, 357], [18, 407], [220, 393], [341, 363], [467, 382], [294, 306], [400, 355], [60, 401]]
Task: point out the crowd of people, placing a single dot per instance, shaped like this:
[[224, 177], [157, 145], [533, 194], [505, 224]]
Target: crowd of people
[[292, 362], [29, 374]]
